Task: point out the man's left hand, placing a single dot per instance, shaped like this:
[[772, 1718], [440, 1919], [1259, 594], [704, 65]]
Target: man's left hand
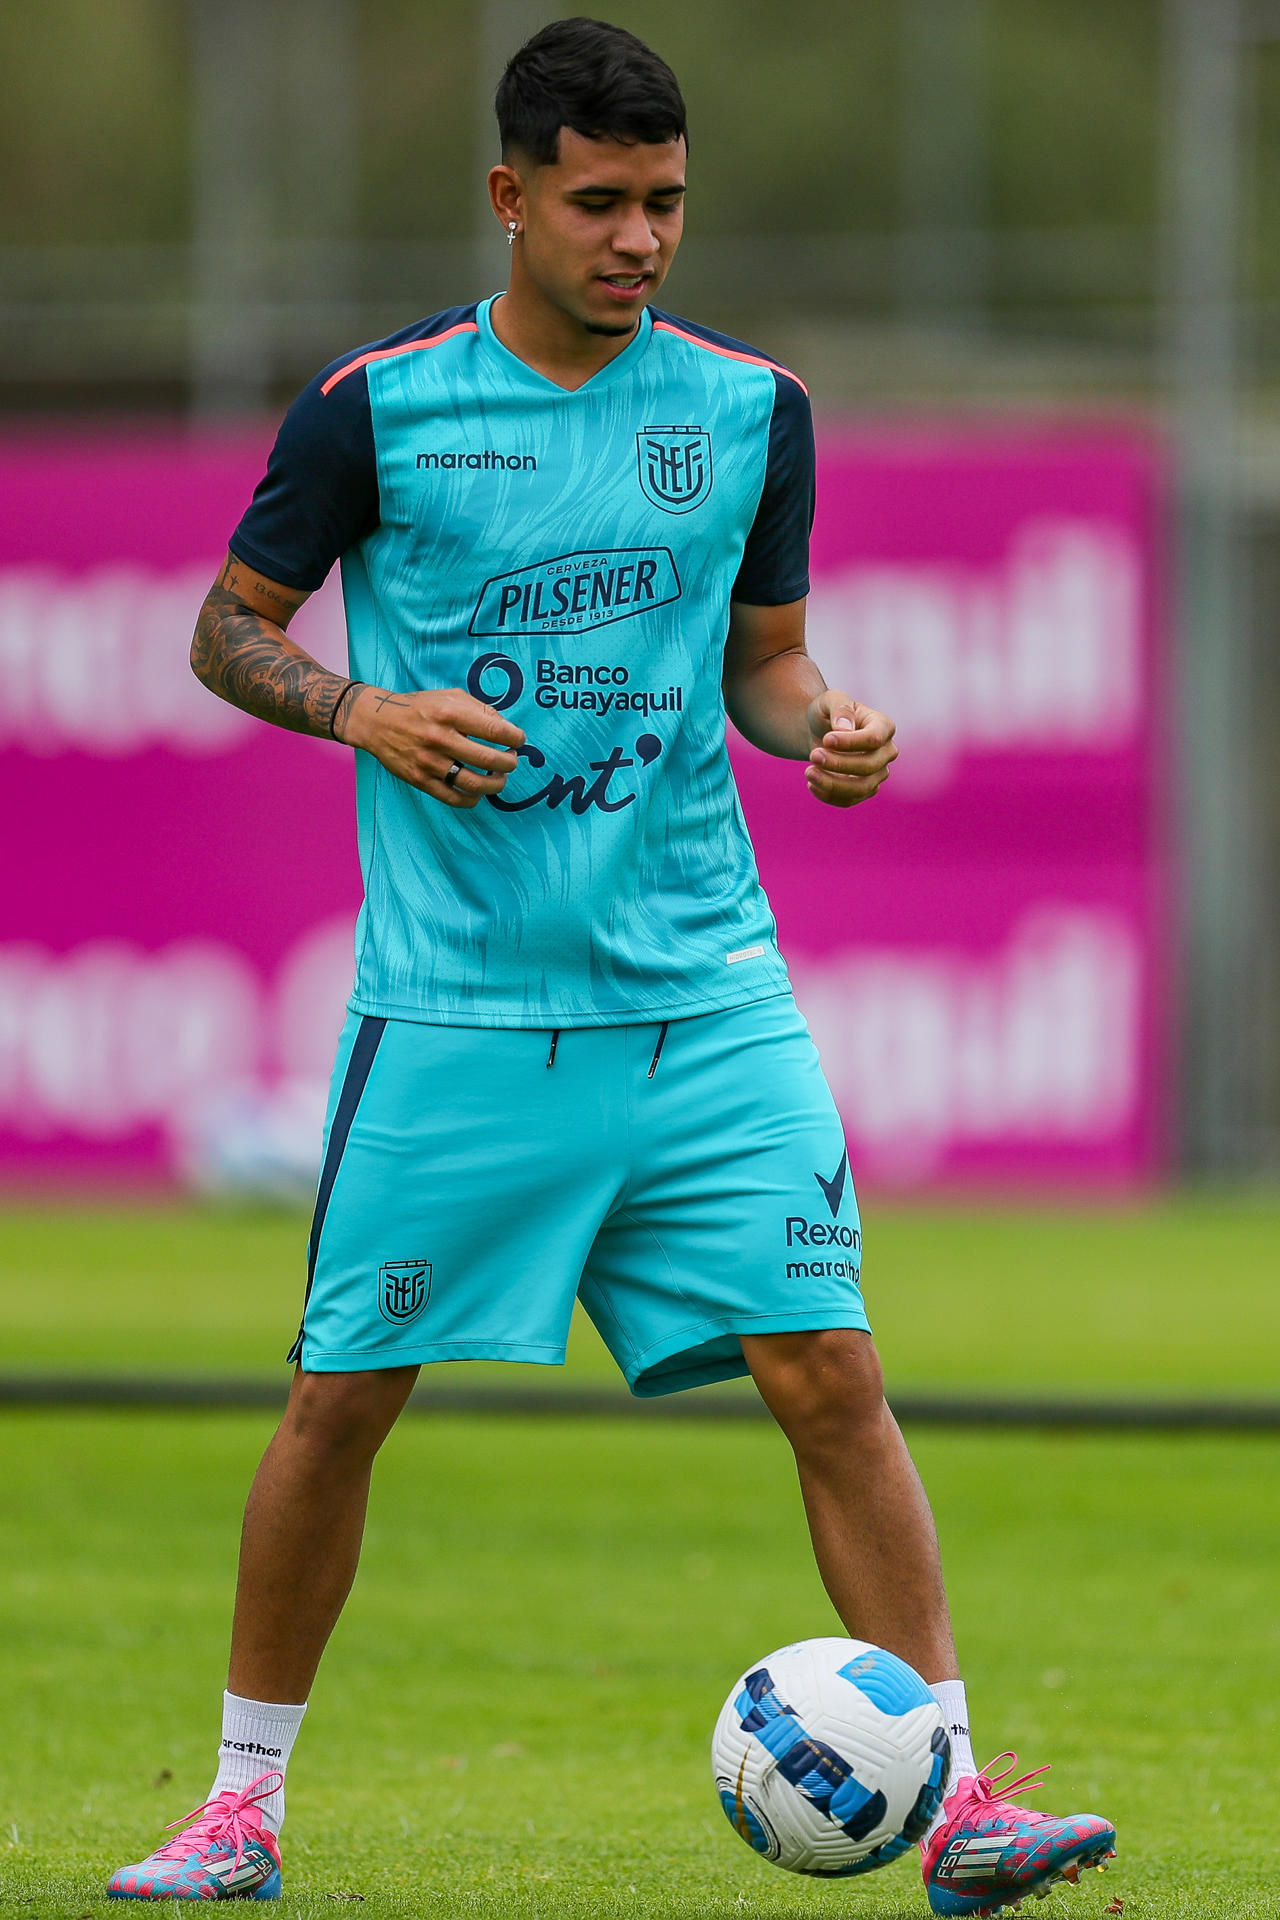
[[852, 749]]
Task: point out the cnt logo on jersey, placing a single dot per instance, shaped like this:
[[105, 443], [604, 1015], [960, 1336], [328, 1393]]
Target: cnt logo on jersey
[[581, 793], [675, 466], [609, 691]]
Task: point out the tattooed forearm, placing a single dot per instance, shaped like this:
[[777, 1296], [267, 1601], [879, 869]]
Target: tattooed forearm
[[236, 578], [250, 661]]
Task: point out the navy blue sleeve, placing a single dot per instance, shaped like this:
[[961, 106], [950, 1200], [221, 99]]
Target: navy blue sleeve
[[319, 494], [775, 560]]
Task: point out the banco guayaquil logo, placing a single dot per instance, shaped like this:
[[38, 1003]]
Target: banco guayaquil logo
[[404, 1288], [675, 466], [483, 688]]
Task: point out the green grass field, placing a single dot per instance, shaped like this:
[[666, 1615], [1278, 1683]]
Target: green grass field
[[1174, 1297], [514, 1715]]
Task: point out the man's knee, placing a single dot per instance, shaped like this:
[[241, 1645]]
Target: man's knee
[[825, 1388], [347, 1413]]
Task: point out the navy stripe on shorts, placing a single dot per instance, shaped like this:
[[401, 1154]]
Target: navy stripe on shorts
[[358, 1067]]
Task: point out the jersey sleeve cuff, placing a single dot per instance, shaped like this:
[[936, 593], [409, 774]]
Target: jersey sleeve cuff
[[277, 570], [779, 594]]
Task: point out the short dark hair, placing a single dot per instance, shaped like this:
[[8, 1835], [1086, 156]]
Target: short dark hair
[[595, 78]]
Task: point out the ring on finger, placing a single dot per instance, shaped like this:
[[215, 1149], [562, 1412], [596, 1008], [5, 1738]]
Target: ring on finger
[[451, 778]]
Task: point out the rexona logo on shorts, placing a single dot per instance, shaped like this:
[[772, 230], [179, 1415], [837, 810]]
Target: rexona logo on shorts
[[826, 1233], [574, 592]]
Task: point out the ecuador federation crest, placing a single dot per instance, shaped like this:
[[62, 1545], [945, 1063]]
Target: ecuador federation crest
[[675, 466], [404, 1287]]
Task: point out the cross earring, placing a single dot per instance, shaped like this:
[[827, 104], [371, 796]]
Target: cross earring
[[512, 230]]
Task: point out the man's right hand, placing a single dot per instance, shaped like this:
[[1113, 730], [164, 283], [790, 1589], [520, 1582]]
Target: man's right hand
[[242, 653], [420, 736]]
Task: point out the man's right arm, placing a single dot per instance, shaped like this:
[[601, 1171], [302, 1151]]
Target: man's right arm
[[242, 653]]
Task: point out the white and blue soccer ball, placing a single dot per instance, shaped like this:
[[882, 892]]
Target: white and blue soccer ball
[[830, 1757]]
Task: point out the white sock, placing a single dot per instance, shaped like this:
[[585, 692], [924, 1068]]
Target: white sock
[[257, 1738], [949, 1695]]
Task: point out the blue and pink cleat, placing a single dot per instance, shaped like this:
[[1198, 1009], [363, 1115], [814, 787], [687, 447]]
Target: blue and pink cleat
[[987, 1854], [228, 1853]]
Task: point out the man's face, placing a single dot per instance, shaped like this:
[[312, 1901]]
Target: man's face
[[601, 227]]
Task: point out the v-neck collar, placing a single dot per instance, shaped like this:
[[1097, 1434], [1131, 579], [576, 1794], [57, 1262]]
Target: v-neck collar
[[614, 369]]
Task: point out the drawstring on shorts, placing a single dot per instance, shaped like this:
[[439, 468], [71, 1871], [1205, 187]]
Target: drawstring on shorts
[[653, 1064]]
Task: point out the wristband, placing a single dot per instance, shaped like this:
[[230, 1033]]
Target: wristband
[[352, 686]]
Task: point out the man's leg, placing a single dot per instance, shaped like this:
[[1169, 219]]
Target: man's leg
[[299, 1550], [877, 1552], [873, 1533], [303, 1526]]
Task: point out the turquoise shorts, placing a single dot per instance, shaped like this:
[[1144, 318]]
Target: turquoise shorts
[[687, 1182]]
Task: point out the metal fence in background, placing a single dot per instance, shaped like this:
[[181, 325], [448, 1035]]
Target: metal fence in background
[[1072, 313]]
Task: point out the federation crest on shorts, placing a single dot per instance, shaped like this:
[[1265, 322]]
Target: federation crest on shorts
[[404, 1287], [675, 466]]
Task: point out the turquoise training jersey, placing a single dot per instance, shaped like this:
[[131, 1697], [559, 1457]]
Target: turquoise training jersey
[[570, 558]]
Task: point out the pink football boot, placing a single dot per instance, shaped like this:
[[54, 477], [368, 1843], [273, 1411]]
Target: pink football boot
[[228, 1853], [987, 1854]]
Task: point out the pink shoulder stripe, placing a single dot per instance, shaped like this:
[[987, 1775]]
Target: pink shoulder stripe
[[729, 353], [388, 353]]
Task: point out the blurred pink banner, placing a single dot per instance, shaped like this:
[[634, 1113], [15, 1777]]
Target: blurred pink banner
[[980, 952]]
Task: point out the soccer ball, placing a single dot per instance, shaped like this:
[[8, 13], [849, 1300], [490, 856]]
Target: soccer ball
[[830, 1757]]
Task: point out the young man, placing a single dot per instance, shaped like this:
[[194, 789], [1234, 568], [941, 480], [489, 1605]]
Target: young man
[[573, 531]]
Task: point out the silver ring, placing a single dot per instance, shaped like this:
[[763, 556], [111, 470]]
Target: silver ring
[[451, 777]]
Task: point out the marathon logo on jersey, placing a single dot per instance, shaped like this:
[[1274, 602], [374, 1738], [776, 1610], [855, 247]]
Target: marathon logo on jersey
[[675, 466], [404, 1288], [574, 592], [484, 462]]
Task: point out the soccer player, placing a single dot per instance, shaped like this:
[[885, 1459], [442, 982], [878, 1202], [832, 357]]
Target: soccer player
[[573, 532]]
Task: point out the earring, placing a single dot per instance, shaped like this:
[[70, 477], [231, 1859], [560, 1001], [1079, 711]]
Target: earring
[[512, 230]]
